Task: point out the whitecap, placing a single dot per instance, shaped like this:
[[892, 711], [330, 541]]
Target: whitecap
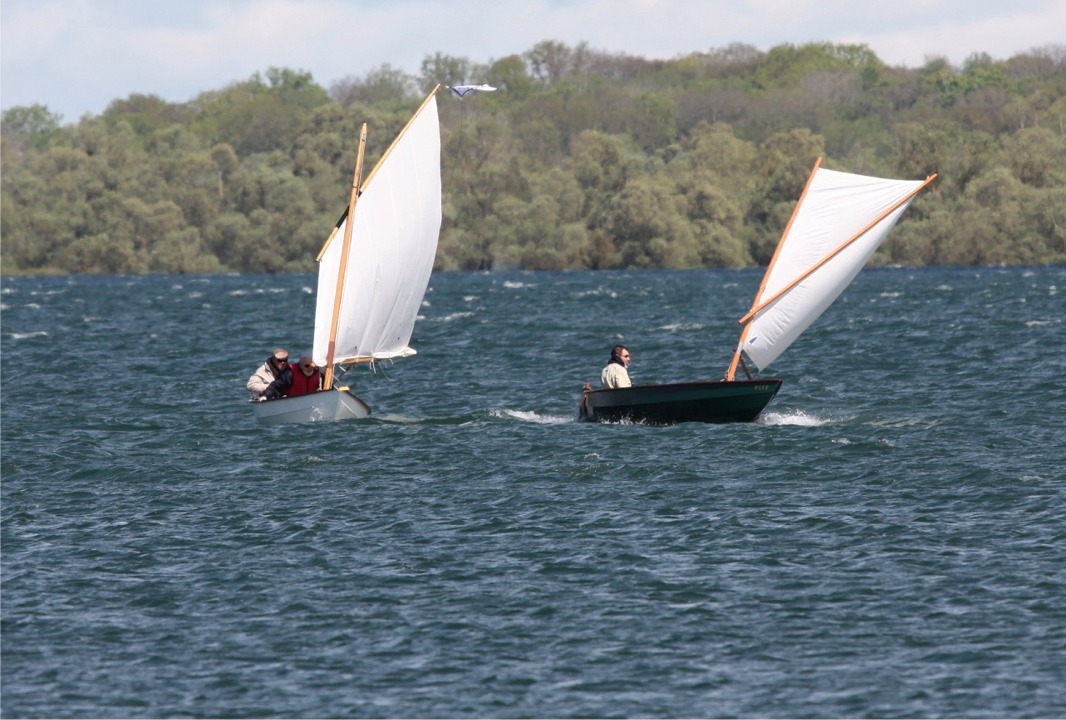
[[907, 422], [457, 316], [680, 327], [795, 417], [24, 336], [597, 291]]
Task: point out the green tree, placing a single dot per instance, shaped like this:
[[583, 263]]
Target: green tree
[[31, 126], [584, 158], [444, 69], [384, 84], [784, 163]]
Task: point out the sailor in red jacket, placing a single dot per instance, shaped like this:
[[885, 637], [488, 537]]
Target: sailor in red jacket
[[297, 379]]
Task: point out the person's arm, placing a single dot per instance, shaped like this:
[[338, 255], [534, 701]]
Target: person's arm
[[280, 386], [257, 383]]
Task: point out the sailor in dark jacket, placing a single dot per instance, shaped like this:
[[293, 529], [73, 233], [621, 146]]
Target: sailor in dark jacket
[[297, 379]]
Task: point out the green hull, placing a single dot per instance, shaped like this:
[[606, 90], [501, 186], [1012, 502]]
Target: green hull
[[708, 402]]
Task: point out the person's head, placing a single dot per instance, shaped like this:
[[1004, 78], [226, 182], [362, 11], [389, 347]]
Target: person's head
[[307, 365], [620, 355], [279, 359]]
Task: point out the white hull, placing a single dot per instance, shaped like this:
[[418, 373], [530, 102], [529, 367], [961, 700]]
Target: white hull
[[326, 406]]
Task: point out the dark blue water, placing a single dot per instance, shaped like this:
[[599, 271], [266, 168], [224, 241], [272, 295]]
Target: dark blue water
[[888, 540]]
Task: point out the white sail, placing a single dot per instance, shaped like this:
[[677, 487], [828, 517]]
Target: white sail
[[839, 223], [395, 228]]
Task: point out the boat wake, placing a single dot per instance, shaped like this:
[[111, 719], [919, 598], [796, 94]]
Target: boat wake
[[480, 416], [530, 417], [794, 417]]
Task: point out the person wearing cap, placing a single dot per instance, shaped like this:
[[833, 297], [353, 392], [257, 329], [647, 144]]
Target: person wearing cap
[[297, 379], [268, 372]]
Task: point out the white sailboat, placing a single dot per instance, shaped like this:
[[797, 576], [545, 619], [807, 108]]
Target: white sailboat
[[840, 220], [373, 269]]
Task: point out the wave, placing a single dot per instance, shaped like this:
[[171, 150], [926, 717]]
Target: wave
[[24, 336], [680, 327], [455, 316], [531, 417], [794, 417]]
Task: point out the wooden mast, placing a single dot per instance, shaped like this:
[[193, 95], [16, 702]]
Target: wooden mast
[[327, 381]]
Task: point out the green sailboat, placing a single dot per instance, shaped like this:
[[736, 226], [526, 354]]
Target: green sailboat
[[840, 220]]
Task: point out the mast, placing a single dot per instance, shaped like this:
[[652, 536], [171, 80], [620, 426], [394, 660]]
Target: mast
[[327, 381]]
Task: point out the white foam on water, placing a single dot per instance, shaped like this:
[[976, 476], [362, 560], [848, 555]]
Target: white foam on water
[[794, 417], [531, 417]]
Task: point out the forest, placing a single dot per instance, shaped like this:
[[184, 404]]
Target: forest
[[582, 159]]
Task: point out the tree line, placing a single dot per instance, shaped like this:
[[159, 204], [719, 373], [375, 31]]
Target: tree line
[[583, 159]]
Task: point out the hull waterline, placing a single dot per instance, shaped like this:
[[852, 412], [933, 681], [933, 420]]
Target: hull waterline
[[325, 406], [708, 402]]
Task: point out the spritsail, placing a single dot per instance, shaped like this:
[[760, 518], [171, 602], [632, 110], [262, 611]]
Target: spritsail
[[373, 269], [395, 226], [840, 221]]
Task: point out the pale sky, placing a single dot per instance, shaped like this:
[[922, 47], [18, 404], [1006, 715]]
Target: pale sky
[[77, 56]]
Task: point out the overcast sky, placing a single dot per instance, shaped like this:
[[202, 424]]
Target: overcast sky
[[77, 56]]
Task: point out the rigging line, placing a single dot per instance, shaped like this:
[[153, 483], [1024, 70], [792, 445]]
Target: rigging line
[[459, 152]]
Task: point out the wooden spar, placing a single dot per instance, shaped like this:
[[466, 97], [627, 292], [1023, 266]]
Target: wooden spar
[[732, 372], [403, 132], [373, 172], [843, 246], [327, 381]]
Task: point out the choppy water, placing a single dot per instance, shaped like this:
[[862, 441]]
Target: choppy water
[[888, 540]]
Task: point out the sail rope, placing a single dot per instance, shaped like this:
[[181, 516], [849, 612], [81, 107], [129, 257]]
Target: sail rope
[[459, 144], [460, 92]]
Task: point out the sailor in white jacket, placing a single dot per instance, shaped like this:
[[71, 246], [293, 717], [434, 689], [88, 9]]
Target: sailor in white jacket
[[615, 375], [268, 372]]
